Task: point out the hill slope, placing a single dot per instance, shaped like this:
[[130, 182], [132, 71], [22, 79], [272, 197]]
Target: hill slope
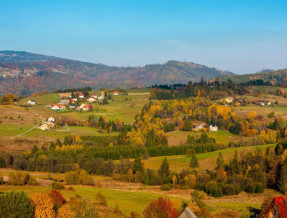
[[23, 73]]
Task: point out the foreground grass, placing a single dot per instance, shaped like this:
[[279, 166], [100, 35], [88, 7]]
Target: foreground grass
[[126, 201]]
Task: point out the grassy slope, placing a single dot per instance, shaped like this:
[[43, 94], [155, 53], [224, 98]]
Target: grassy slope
[[206, 160], [43, 99], [178, 137]]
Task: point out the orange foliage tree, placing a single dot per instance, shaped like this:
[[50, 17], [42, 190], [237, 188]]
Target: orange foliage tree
[[161, 208]]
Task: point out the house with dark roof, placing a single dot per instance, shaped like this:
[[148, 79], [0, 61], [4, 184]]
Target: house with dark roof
[[187, 213], [277, 208], [31, 102]]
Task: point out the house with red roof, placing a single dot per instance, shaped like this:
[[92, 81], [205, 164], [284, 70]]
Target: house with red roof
[[277, 208], [81, 95], [116, 92]]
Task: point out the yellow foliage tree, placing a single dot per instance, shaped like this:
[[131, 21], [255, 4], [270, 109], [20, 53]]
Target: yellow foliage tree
[[66, 211], [43, 205]]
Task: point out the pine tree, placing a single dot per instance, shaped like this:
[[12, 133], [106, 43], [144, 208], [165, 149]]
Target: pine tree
[[164, 171], [219, 162], [193, 161]]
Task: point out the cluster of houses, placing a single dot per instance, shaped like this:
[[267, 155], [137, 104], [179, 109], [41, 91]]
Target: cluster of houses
[[230, 100], [201, 126], [71, 102], [47, 125]]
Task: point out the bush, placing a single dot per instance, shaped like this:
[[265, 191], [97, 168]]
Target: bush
[[15, 205], [71, 188], [57, 186], [19, 178], [100, 199], [165, 187]]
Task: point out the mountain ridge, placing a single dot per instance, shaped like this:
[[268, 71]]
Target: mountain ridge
[[23, 73]]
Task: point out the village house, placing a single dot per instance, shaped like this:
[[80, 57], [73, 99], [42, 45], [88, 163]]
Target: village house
[[228, 100], [74, 99], [277, 208], [51, 119], [81, 95], [199, 127], [58, 107], [44, 127], [72, 106], [94, 96], [31, 102], [91, 99], [116, 92], [64, 102], [187, 213], [86, 107], [101, 98], [213, 128]]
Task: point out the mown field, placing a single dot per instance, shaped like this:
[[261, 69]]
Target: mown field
[[179, 137]]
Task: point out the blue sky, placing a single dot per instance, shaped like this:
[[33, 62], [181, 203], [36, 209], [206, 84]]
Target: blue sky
[[243, 36]]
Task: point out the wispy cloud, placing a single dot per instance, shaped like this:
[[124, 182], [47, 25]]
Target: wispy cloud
[[181, 44]]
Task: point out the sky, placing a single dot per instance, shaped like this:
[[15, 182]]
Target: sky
[[242, 36]]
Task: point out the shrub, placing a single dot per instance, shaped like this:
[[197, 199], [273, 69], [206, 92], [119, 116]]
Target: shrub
[[57, 186], [71, 188], [259, 188], [165, 187], [100, 199], [14, 204], [84, 209], [57, 198]]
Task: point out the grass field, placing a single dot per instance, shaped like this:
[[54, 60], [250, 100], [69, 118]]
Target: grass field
[[125, 200], [206, 160], [43, 99]]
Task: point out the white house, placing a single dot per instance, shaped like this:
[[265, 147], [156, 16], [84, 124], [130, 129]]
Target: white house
[[199, 127], [91, 99], [55, 107], [81, 95], [101, 98], [213, 128], [64, 101], [44, 127], [51, 119], [31, 102], [228, 100], [72, 106], [116, 92], [94, 96]]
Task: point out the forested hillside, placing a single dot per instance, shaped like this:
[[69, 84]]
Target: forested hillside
[[22, 71], [277, 78]]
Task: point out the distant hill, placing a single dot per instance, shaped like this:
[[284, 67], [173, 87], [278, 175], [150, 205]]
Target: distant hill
[[24, 73], [276, 77]]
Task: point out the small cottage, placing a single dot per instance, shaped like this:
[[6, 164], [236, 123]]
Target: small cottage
[[213, 128], [31, 102], [91, 99], [51, 119], [44, 127], [187, 213], [116, 92]]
